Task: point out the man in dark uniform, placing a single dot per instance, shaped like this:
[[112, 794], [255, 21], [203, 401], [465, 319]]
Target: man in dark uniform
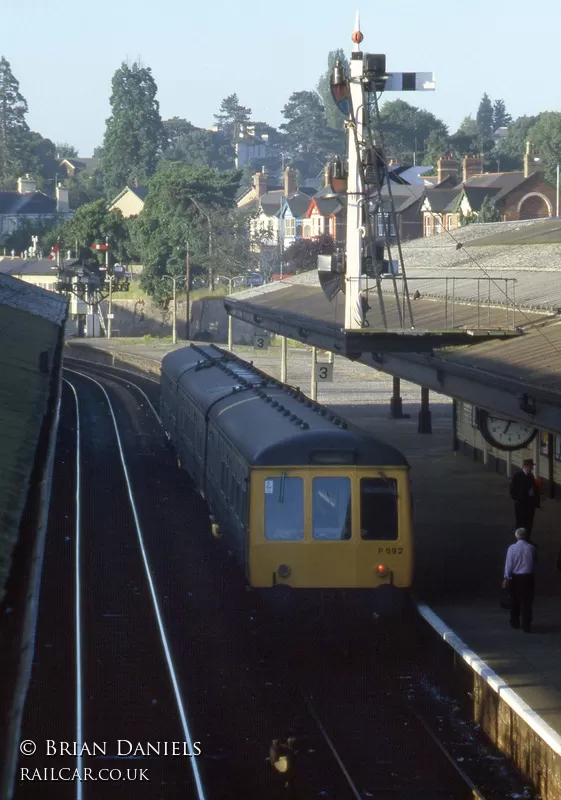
[[526, 496]]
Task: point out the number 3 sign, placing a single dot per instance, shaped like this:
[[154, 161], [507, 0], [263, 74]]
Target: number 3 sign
[[323, 372], [261, 341]]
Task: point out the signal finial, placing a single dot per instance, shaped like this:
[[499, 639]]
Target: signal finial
[[357, 36]]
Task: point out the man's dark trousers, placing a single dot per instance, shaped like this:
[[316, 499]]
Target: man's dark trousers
[[522, 596], [524, 515]]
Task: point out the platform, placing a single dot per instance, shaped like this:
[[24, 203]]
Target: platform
[[464, 523]]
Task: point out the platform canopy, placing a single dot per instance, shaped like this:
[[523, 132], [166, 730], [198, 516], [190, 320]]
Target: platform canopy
[[299, 310]]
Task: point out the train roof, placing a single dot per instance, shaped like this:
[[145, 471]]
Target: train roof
[[270, 423]]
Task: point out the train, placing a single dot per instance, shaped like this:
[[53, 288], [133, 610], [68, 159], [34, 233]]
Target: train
[[303, 498]]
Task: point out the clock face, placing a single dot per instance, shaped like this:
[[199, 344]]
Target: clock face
[[506, 434]]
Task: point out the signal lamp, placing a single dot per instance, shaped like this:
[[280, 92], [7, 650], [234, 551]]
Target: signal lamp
[[340, 88]]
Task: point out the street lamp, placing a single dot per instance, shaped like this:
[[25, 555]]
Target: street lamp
[[174, 279], [230, 280], [230, 284]]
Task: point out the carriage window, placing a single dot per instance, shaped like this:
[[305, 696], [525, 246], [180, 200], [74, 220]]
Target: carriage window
[[284, 509], [378, 508], [331, 508]]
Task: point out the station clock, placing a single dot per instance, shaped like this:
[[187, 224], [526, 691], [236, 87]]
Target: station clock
[[505, 434]]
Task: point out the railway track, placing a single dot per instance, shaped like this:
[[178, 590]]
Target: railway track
[[125, 687], [318, 722]]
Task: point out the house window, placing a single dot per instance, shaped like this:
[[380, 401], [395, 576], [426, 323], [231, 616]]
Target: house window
[[428, 226], [383, 224], [289, 226], [307, 231], [298, 228], [449, 222], [437, 224], [317, 223], [544, 443]]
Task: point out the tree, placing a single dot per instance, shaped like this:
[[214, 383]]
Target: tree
[[501, 117], [468, 127], [487, 213], [302, 255], [334, 118], [406, 130], [200, 148], [184, 204], [436, 145], [65, 150], [14, 131], [308, 137], [232, 117], [510, 150], [175, 129], [134, 135], [93, 222], [484, 118], [42, 162], [546, 136]]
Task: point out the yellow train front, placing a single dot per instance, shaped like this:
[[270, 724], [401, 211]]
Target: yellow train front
[[302, 498]]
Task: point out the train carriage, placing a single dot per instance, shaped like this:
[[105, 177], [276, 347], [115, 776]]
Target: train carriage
[[304, 499]]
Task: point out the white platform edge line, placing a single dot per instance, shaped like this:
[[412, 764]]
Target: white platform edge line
[[500, 686]]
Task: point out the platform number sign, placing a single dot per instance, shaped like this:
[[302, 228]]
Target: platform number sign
[[261, 341], [323, 372]]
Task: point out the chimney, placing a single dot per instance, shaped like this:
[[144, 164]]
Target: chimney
[[532, 162], [289, 182], [471, 165], [62, 202], [260, 182], [447, 167], [27, 185]]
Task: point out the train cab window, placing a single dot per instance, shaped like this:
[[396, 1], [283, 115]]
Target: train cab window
[[284, 509], [378, 508], [331, 508]]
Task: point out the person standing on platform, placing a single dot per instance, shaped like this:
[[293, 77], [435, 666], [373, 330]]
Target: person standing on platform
[[519, 577], [526, 495]]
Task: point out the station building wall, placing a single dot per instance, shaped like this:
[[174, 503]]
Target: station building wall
[[545, 449]]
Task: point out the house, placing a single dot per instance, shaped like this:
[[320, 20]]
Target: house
[[27, 205], [42, 272], [130, 201], [294, 209], [519, 195], [250, 147], [267, 204], [74, 165], [326, 214], [407, 203]]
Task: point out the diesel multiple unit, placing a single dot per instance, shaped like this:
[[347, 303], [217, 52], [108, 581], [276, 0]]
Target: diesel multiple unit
[[303, 498]]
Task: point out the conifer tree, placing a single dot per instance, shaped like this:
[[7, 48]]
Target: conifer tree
[[501, 117], [134, 135], [484, 117], [14, 131], [232, 117]]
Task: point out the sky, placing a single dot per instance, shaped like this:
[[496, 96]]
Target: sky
[[64, 54]]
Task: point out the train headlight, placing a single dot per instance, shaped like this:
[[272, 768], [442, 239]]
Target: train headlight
[[283, 571], [382, 570]]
